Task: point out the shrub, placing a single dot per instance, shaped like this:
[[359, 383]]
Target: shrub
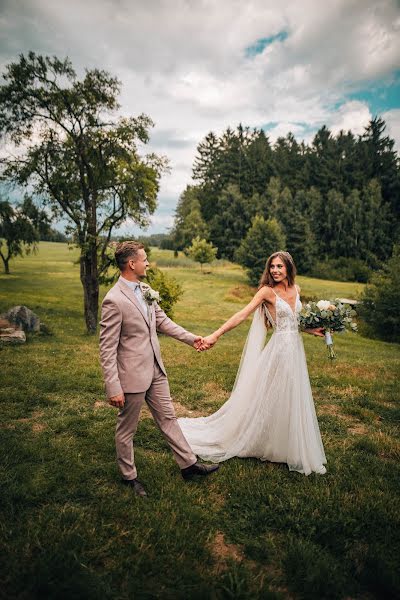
[[169, 289], [341, 269], [380, 307]]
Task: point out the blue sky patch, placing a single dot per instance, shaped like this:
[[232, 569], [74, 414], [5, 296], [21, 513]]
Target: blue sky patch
[[306, 127], [262, 43], [380, 95]]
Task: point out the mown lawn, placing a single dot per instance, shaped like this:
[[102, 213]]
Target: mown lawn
[[253, 530]]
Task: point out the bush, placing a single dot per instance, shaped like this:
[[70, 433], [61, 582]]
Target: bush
[[381, 300], [169, 289], [341, 269]]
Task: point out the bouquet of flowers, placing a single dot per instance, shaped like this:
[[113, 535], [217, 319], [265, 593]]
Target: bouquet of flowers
[[331, 316]]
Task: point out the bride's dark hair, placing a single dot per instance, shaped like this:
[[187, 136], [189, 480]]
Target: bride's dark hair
[[267, 279]]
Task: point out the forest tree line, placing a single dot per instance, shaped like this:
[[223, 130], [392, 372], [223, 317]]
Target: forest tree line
[[334, 201]]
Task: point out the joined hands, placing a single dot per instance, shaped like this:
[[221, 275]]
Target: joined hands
[[205, 343]]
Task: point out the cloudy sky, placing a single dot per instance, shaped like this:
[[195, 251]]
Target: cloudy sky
[[196, 66]]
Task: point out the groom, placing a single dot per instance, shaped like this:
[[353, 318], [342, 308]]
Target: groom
[[133, 369]]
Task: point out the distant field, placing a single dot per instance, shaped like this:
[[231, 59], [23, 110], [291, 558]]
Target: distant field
[[254, 530]]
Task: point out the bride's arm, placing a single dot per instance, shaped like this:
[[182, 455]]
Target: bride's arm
[[264, 294]]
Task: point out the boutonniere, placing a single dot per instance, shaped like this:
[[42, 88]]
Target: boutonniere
[[149, 294]]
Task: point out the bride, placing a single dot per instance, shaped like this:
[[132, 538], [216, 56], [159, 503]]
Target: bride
[[270, 414]]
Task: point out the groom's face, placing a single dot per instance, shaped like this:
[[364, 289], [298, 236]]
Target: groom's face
[[140, 263]]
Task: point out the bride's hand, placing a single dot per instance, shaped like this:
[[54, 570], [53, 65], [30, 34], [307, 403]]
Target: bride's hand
[[318, 331], [207, 342], [211, 340]]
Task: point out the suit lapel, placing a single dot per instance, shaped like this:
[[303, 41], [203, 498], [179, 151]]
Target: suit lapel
[[130, 294]]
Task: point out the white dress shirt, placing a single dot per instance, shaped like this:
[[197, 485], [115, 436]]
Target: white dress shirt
[[135, 287]]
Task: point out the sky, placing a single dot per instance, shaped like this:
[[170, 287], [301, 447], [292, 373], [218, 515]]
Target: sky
[[196, 66]]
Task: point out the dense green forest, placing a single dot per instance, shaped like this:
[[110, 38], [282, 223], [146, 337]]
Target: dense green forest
[[337, 198]]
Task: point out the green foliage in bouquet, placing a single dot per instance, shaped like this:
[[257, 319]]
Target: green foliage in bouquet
[[332, 315]]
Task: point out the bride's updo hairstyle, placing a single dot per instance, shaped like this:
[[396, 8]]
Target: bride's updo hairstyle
[[266, 277]]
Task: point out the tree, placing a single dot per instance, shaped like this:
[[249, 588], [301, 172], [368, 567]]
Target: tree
[[206, 171], [53, 235], [262, 239], [380, 162], [231, 222], [21, 228], [378, 229], [290, 159], [300, 240], [78, 156], [188, 220], [261, 168], [202, 251]]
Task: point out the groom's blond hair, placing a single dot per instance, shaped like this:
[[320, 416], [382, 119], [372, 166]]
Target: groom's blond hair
[[125, 251]]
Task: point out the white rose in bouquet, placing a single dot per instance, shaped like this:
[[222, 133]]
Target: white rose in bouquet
[[331, 316], [324, 304]]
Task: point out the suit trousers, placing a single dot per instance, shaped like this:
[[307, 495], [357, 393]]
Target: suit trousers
[[159, 401]]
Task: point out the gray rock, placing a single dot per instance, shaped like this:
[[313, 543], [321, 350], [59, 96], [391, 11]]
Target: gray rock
[[5, 324], [13, 336], [23, 317]]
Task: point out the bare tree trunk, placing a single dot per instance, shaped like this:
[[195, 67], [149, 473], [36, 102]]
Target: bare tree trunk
[[89, 279], [6, 260]]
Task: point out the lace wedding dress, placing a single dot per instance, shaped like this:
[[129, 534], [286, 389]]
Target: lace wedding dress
[[270, 414]]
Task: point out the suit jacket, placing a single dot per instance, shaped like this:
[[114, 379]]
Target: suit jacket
[[129, 342]]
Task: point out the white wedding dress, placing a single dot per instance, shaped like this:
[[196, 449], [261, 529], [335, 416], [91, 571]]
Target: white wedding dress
[[270, 414]]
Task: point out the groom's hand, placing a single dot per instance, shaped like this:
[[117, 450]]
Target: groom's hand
[[117, 401], [205, 343], [198, 343]]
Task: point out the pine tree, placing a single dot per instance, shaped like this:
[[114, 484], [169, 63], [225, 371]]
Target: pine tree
[[263, 238], [188, 219], [231, 222], [381, 163]]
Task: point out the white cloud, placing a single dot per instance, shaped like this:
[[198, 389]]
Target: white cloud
[[354, 115], [184, 62]]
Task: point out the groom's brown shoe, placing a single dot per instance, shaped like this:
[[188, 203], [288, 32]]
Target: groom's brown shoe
[[198, 469], [136, 486]]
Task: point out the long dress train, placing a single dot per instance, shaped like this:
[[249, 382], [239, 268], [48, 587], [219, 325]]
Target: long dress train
[[270, 414]]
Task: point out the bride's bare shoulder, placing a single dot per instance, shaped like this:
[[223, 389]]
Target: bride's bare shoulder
[[266, 292]]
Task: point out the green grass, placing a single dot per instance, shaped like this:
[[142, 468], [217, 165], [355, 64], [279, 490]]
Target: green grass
[[253, 530]]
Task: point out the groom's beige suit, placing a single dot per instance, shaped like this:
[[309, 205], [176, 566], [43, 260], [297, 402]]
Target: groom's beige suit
[[132, 365]]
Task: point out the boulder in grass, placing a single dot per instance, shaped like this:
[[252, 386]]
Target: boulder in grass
[[24, 318], [5, 324], [12, 336]]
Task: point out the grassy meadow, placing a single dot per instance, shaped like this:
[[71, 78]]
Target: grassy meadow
[[70, 530]]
